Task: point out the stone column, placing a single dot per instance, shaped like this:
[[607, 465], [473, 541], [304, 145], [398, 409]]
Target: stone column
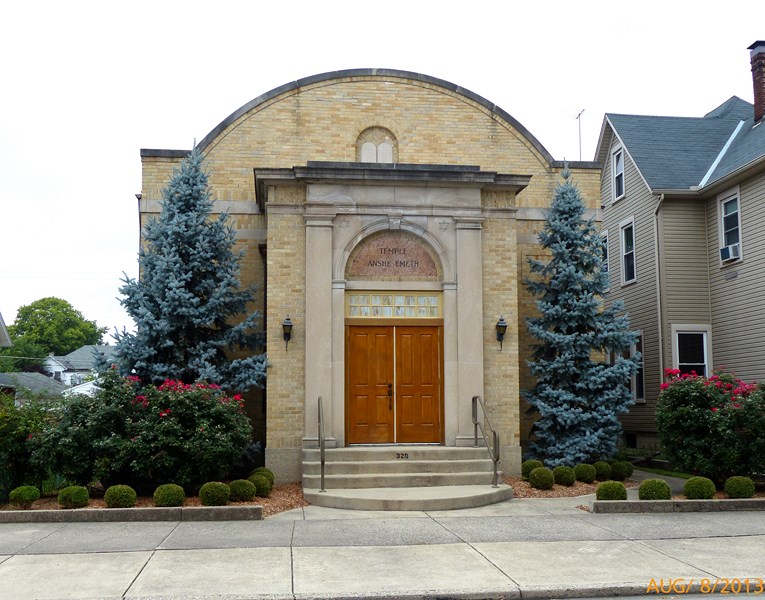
[[469, 322], [318, 326]]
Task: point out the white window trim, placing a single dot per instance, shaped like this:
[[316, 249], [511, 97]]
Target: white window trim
[[633, 351], [630, 221], [604, 235], [721, 199], [618, 150], [692, 328]]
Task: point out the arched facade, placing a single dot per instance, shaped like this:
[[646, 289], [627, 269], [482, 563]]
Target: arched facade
[[380, 263]]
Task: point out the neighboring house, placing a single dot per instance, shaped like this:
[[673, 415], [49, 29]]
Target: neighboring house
[[5, 338], [77, 366], [683, 212], [22, 386]]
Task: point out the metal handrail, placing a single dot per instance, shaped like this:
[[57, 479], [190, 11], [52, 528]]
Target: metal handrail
[[494, 448], [322, 443]]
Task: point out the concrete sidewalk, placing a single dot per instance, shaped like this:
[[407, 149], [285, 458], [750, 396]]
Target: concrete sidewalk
[[519, 548]]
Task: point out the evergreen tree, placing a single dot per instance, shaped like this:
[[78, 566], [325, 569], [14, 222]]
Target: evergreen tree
[[188, 305], [578, 398]]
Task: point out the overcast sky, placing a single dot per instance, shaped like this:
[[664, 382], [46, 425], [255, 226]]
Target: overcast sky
[[85, 85]]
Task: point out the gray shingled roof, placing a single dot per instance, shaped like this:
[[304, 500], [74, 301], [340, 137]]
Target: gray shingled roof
[[37, 383], [676, 152], [747, 146], [84, 359]]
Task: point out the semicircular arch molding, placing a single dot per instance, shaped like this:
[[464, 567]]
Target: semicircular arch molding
[[442, 263]]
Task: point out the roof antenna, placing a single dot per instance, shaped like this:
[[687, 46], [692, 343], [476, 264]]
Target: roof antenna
[[578, 118]]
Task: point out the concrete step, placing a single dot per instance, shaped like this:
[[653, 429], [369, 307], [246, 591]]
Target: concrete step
[[410, 498], [398, 480], [402, 453], [348, 467]]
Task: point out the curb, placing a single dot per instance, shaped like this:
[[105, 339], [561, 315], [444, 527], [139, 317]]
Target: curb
[[102, 515], [676, 506]]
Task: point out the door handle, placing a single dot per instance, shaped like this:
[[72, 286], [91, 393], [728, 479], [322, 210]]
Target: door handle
[[390, 396]]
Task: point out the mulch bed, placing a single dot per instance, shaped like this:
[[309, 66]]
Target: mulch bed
[[284, 496]]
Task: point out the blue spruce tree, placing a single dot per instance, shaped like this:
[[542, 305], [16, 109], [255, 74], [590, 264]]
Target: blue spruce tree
[[190, 310], [578, 399]]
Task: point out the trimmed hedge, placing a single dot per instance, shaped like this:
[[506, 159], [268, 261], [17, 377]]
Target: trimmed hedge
[[699, 488], [242, 490], [602, 470], [268, 473], [585, 473], [541, 478], [214, 493], [262, 485], [528, 466], [739, 487], [120, 496], [611, 490], [654, 489], [24, 496], [169, 494], [74, 496], [620, 470], [564, 475]]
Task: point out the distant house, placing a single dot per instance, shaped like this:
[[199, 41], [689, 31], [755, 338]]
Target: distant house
[[74, 368], [683, 212], [22, 386], [5, 338]]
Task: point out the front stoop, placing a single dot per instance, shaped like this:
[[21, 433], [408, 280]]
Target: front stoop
[[402, 478]]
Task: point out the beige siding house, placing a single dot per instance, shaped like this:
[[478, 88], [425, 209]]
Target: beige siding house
[[684, 210]]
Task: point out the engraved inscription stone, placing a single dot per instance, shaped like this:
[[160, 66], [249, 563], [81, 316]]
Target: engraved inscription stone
[[392, 255]]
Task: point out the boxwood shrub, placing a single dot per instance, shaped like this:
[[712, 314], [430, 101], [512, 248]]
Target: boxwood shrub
[[74, 496], [242, 490], [654, 489], [24, 496], [585, 472], [169, 494], [541, 478], [564, 475], [611, 490], [262, 485], [214, 493], [602, 470], [528, 466], [739, 487], [619, 470], [120, 496], [268, 473], [699, 488]]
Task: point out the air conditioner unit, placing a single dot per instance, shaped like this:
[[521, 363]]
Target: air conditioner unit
[[731, 252]]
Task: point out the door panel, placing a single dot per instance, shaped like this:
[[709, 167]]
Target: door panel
[[415, 401], [370, 369], [418, 385]]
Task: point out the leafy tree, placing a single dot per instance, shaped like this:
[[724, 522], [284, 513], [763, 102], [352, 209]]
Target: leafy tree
[[55, 325], [577, 397], [188, 305], [23, 355]]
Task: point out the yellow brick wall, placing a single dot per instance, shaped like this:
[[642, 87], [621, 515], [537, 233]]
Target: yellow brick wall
[[286, 296]]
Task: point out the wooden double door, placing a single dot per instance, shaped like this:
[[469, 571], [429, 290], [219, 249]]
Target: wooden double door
[[394, 384]]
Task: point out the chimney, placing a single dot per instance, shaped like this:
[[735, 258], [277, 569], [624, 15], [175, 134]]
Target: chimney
[[757, 56]]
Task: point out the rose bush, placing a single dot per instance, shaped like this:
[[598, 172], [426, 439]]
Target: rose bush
[[714, 426], [145, 436]]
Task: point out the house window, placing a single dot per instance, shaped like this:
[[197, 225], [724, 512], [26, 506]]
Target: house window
[[638, 380], [730, 229], [617, 168], [636, 383], [691, 348], [628, 251]]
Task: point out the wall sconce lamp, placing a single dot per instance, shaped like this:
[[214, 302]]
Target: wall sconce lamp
[[501, 329], [287, 329]]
